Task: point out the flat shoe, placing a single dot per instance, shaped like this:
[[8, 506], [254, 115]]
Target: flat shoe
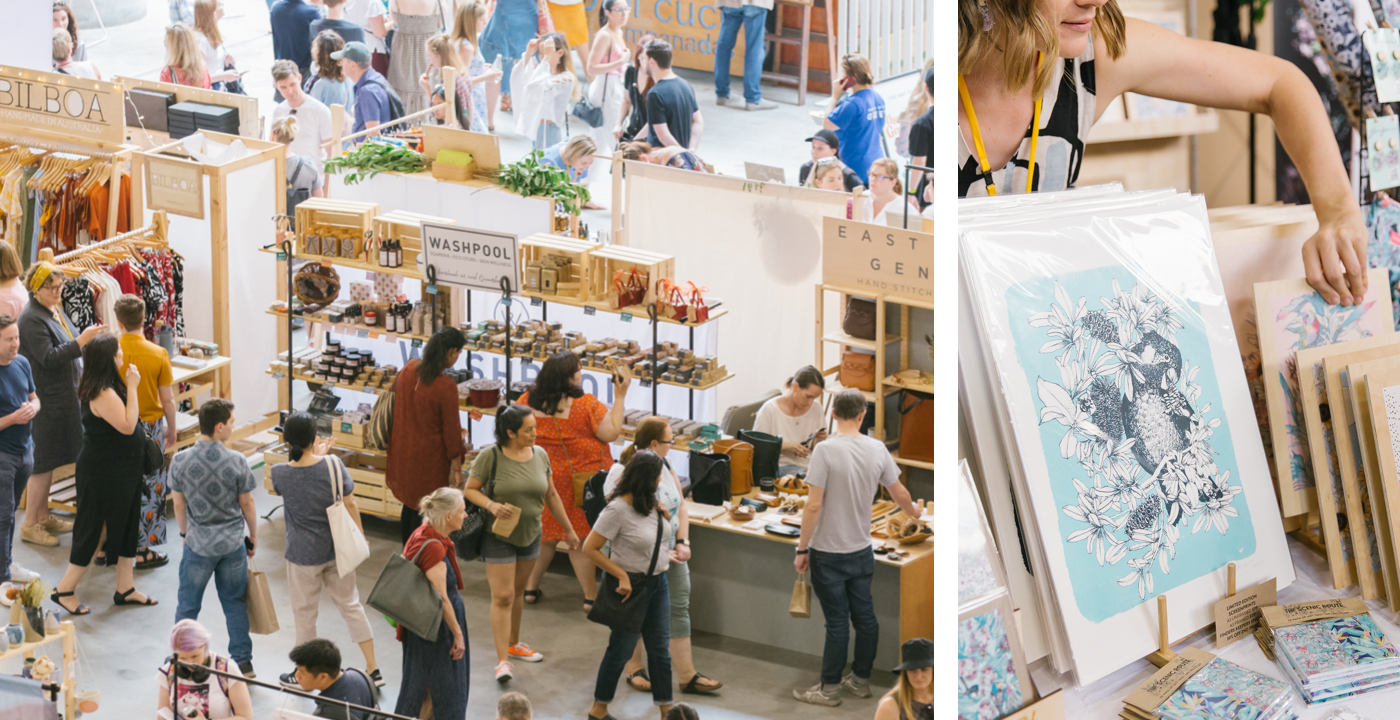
[[533, 596], [120, 598], [37, 535], [694, 688]]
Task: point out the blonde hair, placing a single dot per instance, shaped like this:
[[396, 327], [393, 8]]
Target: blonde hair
[[1019, 28], [62, 44], [918, 100], [205, 24], [285, 130], [436, 505], [10, 266], [821, 170], [903, 695], [182, 53], [445, 50], [464, 25], [566, 61], [648, 431], [577, 148], [892, 168]]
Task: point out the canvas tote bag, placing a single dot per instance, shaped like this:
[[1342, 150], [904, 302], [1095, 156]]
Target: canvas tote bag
[[351, 549]]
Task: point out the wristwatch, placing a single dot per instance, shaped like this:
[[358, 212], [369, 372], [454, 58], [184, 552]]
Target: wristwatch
[[800, 551], [682, 541]]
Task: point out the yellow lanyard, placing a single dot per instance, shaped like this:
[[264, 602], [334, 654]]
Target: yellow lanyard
[[63, 322], [982, 163]]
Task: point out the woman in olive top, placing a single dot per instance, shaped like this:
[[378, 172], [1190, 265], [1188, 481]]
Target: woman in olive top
[[522, 487]]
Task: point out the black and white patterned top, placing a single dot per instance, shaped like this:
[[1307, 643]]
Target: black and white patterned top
[[1067, 113]]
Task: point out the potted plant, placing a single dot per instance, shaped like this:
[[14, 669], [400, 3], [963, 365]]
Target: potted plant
[[28, 609]]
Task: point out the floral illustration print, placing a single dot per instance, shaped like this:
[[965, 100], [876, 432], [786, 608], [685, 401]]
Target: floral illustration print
[[1135, 423], [988, 685], [1300, 322], [976, 575], [1329, 440], [1223, 690], [1325, 647]]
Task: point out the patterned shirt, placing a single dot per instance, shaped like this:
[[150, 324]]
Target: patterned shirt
[[211, 477], [182, 11]]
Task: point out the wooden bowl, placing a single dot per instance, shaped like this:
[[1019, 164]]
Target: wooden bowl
[[742, 513], [915, 539]]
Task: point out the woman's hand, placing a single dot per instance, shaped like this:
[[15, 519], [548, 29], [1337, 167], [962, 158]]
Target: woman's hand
[[133, 376], [573, 541], [680, 554], [531, 47], [1338, 245], [87, 335], [322, 445], [795, 449], [624, 587], [459, 645], [502, 511], [423, 83], [617, 133]]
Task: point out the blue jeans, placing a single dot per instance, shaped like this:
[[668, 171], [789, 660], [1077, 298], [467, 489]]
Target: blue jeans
[[656, 633], [230, 573], [14, 476], [842, 586], [512, 27], [751, 18]]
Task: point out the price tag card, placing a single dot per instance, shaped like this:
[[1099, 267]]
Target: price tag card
[[417, 342], [373, 335], [1383, 151], [391, 337], [1381, 52], [536, 302], [345, 427], [281, 256], [626, 317], [645, 383], [1237, 617], [278, 375], [590, 310], [432, 289], [362, 333]]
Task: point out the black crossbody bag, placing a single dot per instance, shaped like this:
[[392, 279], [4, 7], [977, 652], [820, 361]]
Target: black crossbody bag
[[628, 616]]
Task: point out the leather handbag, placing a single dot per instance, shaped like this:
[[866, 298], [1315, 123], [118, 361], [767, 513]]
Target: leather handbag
[[859, 320], [404, 593], [858, 371], [916, 426], [740, 464], [478, 521], [766, 449], [152, 456], [628, 615], [709, 478]]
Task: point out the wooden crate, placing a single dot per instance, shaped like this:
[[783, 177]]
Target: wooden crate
[[407, 228], [604, 263], [537, 247], [316, 213]]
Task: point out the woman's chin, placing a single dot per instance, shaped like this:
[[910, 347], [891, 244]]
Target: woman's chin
[[1072, 43]]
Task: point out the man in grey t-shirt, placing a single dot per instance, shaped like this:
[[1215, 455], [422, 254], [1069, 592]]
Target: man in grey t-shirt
[[845, 474], [212, 487]]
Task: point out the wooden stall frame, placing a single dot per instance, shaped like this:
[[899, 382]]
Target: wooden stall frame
[[67, 634], [248, 119]]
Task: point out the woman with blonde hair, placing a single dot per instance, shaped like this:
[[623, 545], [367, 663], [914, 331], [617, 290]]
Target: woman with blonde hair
[[442, 53], [301, 172], [485, 80], [184, 63], [887, 194], [912, 697], [857, 118], [545, 88], [574, 155], [211, 44], [1061, 56], [827, 174]]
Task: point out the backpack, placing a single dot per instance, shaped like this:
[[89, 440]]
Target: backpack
[[594, 499], [396, 110], [296, 195]]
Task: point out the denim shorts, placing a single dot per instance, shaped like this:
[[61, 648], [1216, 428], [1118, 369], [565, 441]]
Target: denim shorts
[[499, 552]]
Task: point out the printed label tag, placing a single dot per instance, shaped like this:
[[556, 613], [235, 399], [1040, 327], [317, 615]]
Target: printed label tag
[[432, 289], [1151, 694], [536, 301], [1237, 617], [281, 256], [1278, 616], [1383, 150], [590, 310], [626, 317]]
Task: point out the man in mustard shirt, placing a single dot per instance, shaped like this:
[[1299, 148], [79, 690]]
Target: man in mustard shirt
[[156, 400]]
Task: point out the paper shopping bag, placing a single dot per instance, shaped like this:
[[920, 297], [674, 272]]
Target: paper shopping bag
[[262, 613], [503, 528], [801, 605]]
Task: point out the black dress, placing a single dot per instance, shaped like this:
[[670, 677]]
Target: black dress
[[48, 340], [109, 482]]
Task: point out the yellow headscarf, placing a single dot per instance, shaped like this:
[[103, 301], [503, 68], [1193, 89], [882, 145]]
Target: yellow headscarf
[[40, 275]]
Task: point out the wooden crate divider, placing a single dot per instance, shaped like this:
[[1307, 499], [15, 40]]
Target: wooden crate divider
[[535, 248], [337, 214], [606, 262], [407, 228]]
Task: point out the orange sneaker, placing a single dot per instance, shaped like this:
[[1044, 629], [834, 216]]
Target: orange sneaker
[[521, 651]]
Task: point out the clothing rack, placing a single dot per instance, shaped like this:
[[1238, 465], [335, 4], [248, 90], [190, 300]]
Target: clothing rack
[[156, 232], [114, 158]]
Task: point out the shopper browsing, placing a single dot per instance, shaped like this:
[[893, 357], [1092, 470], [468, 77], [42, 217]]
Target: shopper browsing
[[291, 32], [372, 16], [18, 406], [912, 697], [516, 473], [63, 58], [845, 473], [13, 295], [156, 402], [513, 706], [329, 85], [796, 417], [673, 115], [184, 63], [606, 60], [442, 52], [654, 434], [574, 155], [313, 119], [194, 693], [507, 34], [485, 79], [826, 145], [304, 485], [630, 525], [425, 444], [438, 670], [751, 16], [372, 107], [108, 473], [415, 22], [53, 345], [887, 196], [336, 21], [303, 181], [318, 670], [545, 88], [64, 19], [203, 480], [632, 116], [857, 115], [211, 43], [921, 134], [830, 174]]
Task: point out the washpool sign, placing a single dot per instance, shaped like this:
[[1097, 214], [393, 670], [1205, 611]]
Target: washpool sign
[[691, 26], [55, 104], [890, 261], [469, 258]]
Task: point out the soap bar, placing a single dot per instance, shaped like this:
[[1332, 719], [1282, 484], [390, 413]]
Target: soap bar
[[454, 157]]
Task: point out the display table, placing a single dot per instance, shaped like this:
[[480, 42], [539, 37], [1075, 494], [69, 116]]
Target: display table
[[741, 585], [67, 635]]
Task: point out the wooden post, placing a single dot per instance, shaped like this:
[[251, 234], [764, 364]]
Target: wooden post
[[114, 187], [70, 663], [617, 231], [880, 367], [1164, 653], [218, 256], [1230, 580], [337, 128], [449, 90]]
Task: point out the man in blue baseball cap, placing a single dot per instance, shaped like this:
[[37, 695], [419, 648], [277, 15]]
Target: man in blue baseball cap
[[373, 96]]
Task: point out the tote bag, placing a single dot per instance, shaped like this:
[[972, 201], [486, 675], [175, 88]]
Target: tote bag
[[404, 593], [350, 546]]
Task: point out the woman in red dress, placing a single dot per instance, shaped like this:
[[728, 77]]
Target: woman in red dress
[[425, 444], [574, 428]]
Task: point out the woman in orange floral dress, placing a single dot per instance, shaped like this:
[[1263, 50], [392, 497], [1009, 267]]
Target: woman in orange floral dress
[[574, 428]]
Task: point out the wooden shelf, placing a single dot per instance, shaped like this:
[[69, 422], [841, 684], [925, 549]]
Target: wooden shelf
[[902, 385], [405, 271], [332, 383], [181, 375], [911, 463], [1196, 123], [638, 312], [841, 338], [318, 318], [834, 386]]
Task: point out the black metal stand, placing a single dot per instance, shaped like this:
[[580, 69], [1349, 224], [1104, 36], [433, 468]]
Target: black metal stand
[[366, 711], [907, 188], [430, 273], [1252, 42], [505, 295], [690, 411], [655, 386]]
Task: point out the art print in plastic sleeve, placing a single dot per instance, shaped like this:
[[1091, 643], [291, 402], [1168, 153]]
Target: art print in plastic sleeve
[[1223, 690], [989, 686], [1326, 647], [979, 566]]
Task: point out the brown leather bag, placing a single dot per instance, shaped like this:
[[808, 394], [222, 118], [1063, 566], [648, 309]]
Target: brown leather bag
[[858, 371], [916, 426], [740, 464], [859, 320]]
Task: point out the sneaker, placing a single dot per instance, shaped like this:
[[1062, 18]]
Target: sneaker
[[726, 102], [21, 574], [761, 105], [246, 667], [4, 588], [289, 681], [816, 696], [37, 535], [56, 526], [521, 651], [377, 678], [856, 686], [504, 671]]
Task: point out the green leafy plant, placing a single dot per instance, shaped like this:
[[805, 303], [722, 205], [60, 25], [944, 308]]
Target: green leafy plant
[[374, 157], [530, 178]]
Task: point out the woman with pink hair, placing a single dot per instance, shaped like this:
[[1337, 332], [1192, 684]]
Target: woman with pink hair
[[185, 689]]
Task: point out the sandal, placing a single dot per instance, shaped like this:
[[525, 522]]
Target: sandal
[[504, 105], [120, 598], [693, 688], [587, 605], [533, 596], [82, 609], [153, 559], [632, 680]]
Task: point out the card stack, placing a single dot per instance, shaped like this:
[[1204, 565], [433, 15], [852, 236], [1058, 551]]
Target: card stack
[[188, 118], [1336, 658], [1223, 690]]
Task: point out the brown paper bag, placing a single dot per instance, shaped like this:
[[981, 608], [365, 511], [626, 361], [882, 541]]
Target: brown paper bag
[[503, 528], [580, 480], [801, 606], [262, 612]]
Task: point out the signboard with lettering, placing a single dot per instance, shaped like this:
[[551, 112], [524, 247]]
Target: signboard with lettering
[[895, 262], [691, 26], [471, 258], [174, 185], [60, 105]]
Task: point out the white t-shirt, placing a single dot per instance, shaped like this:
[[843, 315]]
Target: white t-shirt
[[208, 696], [213, 56], [360, 12], [313, 128], [772, 420], [81, 69]]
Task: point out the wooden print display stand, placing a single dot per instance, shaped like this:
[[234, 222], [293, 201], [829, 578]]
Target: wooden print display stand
[[1163, 654], [68, 635]]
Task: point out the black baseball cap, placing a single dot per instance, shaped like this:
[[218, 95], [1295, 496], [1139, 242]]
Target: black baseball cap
[[827, 137], [917, 655]]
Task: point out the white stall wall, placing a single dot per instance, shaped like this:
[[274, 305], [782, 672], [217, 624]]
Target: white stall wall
[[26, 35]]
